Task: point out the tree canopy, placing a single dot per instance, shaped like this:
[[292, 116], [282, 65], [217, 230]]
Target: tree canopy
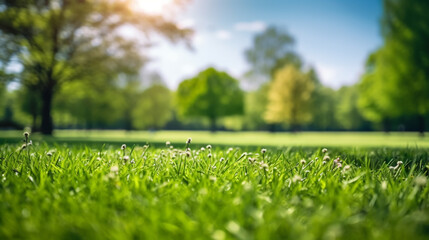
[[289, 97], [60, 41], [397, 78], [271, 50], [153, 108], [210, 94]]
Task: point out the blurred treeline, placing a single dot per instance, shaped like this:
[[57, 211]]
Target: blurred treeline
[[279, 92]]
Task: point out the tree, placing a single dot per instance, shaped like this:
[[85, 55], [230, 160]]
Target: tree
[[255, 105], [101, 98], [153, 108], [29, 103], [347, 112], [376, 98], [210, 94], [289, 97], [60, 41], [271, 50], [406, 33], [399, 75], [322, 102]]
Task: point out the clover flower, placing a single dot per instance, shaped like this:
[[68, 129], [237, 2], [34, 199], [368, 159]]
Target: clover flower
[[399, 163], [296, 178], [264, 165], [114, 169], [421, 181]]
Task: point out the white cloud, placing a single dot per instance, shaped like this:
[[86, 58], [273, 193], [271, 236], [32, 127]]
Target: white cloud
[[255, 26], [328, 74], [199, 39], [223, 35], [186, 23], [188, 70]]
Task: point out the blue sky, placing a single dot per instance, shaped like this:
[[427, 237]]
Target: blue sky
[[334, 36]]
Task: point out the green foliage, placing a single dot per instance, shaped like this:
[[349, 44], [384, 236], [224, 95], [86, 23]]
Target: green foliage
[[377, 100], [347, 113], [210, 94], [289, 97], [65, 191], [397, 78], [153, 108], [57, 42], [271, 50], [255, 106], [3, 93], [101, 98], [323, 102]]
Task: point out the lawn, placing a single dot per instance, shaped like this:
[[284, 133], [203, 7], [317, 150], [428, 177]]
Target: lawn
[[242, 186], [262, 139]]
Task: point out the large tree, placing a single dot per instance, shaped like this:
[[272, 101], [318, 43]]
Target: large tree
[[271, 50], [399, 75], [377, 99], [347, 112], [210, 94], [406, 33], [289, 97], [153, 108], [59, 41]]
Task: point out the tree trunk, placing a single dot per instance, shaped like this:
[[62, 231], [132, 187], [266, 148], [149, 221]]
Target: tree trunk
[[421, 125], [213, 124], [386, 125], [294, 127], [272, 127], [128, 124], [34, 124], [47, 125]]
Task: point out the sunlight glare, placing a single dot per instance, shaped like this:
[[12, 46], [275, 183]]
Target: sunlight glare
[[152, 6]]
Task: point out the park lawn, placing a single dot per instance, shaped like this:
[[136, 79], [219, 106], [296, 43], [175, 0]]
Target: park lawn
[[280, 139], [97, 190]]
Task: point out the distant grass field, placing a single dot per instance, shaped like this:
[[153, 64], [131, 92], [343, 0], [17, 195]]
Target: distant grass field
[[85, 185], [302, 139]]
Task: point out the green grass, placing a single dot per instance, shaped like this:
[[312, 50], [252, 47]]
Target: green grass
[[304, 139], [58, 190]]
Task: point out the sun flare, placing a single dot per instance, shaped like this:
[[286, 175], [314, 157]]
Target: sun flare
[[151, 6]]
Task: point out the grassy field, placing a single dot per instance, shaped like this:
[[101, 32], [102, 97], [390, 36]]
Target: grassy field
[[85, 185], [260, 139]]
